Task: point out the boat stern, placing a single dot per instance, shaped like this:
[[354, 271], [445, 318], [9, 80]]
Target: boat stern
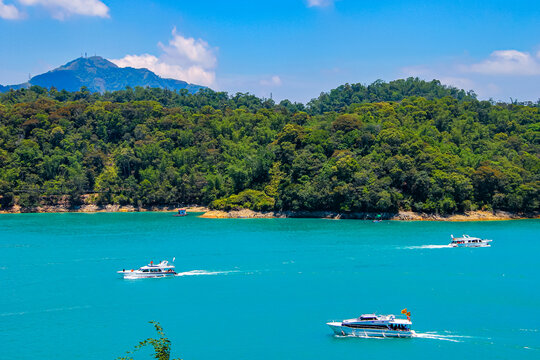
[[127, 273]]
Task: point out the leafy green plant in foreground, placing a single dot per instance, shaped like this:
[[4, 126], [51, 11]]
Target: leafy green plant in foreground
[[161, 345]]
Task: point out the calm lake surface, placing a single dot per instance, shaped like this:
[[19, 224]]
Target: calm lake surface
[[264, 288]]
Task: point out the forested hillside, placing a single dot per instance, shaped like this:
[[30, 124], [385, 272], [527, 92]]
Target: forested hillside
[[403, 145]]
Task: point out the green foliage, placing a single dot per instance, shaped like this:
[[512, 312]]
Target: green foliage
[[247, 199], [348, 95], [407, 144], [161, 345]]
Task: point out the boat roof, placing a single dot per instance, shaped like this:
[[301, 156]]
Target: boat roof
[[468, 238], [158, 267], [162, 265], [389, 318]]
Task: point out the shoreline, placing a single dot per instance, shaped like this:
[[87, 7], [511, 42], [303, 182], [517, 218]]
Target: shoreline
[[400, 216], [106, 208], [251, 214]]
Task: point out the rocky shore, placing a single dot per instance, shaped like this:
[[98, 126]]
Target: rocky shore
[[96, 208], [250, 214]]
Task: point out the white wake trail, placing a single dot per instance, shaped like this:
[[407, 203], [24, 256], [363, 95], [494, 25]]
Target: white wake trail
[[429, 247], [436, 336], [204, 272]]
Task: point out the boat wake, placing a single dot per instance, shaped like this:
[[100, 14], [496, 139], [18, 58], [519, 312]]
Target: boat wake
[[436, 336], [429, 247], [69, 308], [204, 272]]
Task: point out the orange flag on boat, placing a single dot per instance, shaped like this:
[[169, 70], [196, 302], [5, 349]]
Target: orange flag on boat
[[408, 313], [404, 311]]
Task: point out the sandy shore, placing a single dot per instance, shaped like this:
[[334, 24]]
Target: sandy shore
[[405, 215]]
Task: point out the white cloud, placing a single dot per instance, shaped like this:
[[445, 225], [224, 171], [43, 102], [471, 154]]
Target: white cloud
[[188, 59], [273, 81], [9, 12], [506, 62], [503, 75], [60, 9], [186, 51], [319, 3]]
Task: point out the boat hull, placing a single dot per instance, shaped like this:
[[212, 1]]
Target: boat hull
[[137, 275], [341, 330], [472, 245]]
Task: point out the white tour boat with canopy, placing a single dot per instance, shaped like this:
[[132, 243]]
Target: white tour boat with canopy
[[150, 271], [371, 325], [469, 241]]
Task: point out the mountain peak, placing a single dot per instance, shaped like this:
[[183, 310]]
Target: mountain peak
[[86, 62], [100, 75]]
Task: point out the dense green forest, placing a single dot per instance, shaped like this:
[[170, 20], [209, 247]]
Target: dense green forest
[[403, 145]]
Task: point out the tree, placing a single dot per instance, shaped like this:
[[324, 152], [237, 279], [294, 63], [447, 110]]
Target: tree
[[406, 144], [161, 345]]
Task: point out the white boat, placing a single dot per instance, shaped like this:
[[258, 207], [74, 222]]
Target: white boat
[[469, 241], [371, 325], [150, 271]]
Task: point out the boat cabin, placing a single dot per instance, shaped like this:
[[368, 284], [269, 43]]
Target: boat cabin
[[157, 268], [467, 241], [399, 327]]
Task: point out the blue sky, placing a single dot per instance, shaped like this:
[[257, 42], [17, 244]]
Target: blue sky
[[293, 49]]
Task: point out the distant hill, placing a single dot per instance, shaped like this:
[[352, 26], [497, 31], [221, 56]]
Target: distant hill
[[100, 75], [340, 98]]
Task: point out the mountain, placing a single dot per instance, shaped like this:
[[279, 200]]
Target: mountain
[[100, 75]]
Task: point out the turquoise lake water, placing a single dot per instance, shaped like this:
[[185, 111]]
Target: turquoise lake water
[[264, 288]]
